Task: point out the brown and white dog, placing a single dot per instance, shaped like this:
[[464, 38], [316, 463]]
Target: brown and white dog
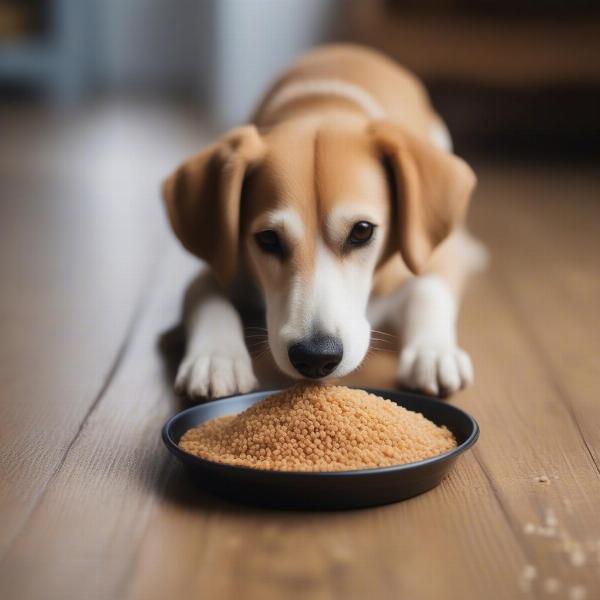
[[343, 203]]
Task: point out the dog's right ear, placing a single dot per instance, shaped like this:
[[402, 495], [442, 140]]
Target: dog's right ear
[[203, 198]]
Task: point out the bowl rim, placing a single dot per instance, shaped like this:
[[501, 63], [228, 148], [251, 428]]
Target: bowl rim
[[173, 447]]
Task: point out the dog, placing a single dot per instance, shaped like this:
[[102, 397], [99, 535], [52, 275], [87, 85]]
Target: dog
[[343, 205]]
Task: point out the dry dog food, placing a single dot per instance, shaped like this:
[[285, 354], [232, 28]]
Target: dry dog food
[[319, 428]]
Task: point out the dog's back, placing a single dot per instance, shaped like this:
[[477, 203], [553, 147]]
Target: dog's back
[[376, 85]]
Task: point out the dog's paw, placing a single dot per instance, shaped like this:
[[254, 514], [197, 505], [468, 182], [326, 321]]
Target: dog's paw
[[438, 371], [208, 376]]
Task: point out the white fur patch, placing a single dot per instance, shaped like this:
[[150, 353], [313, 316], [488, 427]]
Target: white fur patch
[[326, 87], [284, 219], [332, 301], [216, 362], [440, 136], [430, 359]]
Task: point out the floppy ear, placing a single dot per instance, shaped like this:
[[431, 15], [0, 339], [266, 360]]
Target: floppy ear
[[203, 199], [432, 189]]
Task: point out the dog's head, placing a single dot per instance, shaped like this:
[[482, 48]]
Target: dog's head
[[312, 210]]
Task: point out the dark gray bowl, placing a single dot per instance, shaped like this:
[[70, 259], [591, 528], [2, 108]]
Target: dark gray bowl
[[321, 490]]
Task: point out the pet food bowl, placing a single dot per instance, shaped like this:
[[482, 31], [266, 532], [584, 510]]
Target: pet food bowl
[[321, 490]]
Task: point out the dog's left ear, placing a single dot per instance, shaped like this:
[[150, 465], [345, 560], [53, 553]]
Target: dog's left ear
[[432, 189], [203, 197]]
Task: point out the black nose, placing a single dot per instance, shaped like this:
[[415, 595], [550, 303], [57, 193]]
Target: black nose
[[316, 356]]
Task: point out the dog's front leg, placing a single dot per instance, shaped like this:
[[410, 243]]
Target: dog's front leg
[[216, 362], [425, 311], [430, 359]]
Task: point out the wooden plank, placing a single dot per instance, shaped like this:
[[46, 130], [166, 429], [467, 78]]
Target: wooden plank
[[527, 434], [543, 253], [559, 242], [79, 236], [414, 549], [68, 304], [84, 529]]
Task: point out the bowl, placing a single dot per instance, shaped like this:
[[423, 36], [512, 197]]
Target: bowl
[[321, 490]]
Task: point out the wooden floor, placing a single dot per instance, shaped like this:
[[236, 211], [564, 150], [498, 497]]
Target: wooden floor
[[91, 505]]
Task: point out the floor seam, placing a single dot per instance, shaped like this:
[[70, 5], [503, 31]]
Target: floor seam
[[505, 512], [140, 306], [533, 341]]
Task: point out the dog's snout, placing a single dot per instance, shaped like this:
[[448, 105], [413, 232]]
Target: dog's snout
[[317, 356]]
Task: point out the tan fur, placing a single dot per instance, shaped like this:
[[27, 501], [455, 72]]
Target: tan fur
[[317, 151], [396, 90], [433, 188], [345, 136], [203, 199]]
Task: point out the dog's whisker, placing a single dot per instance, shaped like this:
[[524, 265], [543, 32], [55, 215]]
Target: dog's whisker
[[256, 349], [382, 344], [260, 354], [379, 349], [389, 342], [391, 335], [259, 343]]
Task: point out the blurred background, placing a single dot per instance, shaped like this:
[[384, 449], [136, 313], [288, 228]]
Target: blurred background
[[99, 101], [518, 77]]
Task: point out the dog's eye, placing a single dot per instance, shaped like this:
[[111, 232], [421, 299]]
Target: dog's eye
[[268, 241], [361, 233]]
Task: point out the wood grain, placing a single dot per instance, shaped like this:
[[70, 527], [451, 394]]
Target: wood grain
[[92, 506]]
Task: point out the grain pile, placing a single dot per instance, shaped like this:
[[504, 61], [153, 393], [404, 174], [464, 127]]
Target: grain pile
[[319, 428]]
